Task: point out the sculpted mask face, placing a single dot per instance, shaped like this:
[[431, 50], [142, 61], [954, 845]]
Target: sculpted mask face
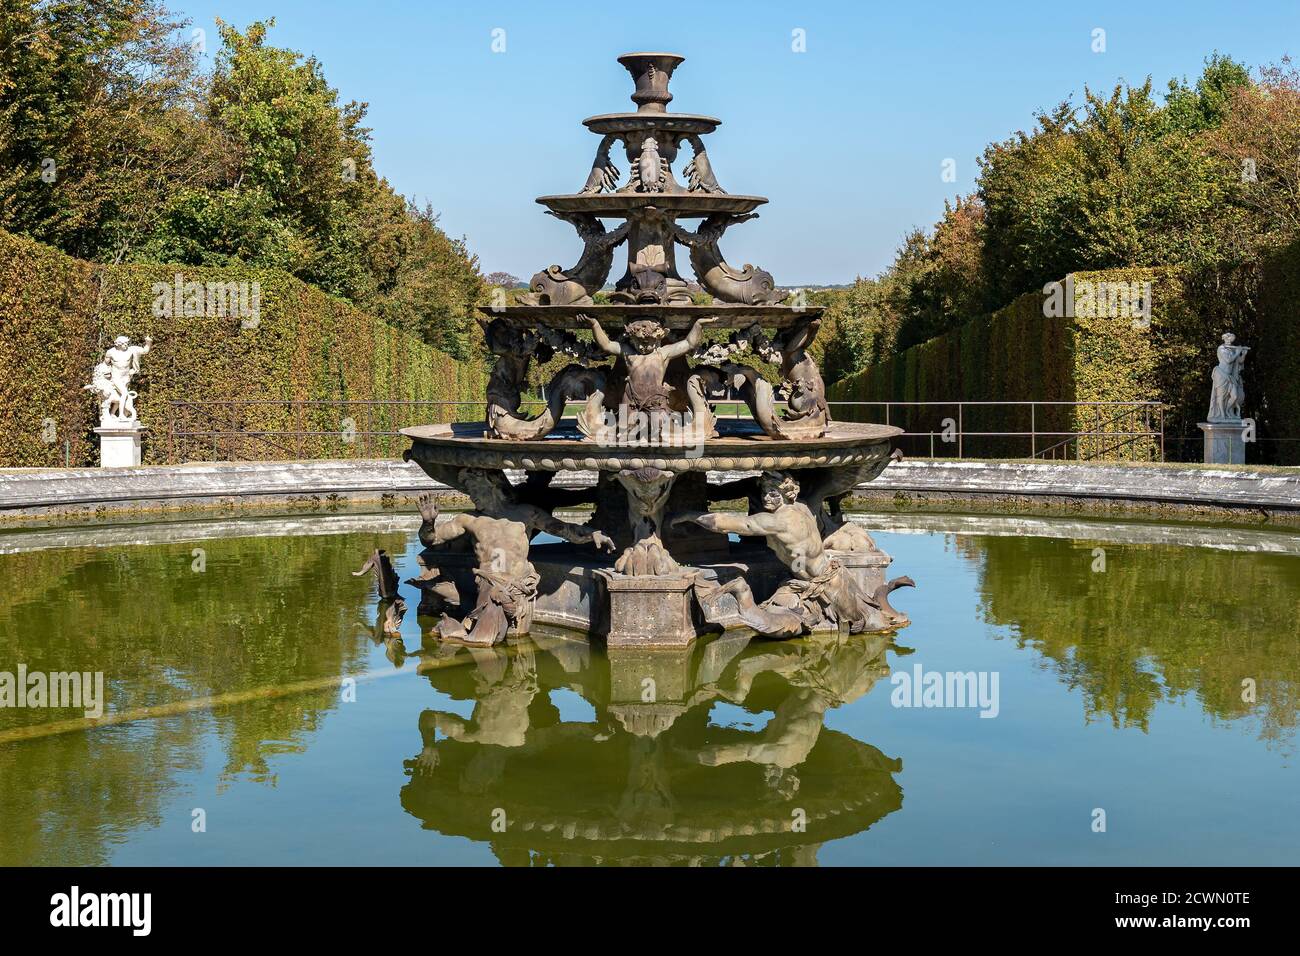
[[485, 495], [778, 490], [644, 335]]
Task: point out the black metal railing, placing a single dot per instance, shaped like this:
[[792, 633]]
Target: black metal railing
[[271, 429]]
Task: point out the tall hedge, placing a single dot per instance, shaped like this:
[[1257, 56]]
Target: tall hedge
[[1019, 354], [1016, 354], [1273, 367], [58, 314]]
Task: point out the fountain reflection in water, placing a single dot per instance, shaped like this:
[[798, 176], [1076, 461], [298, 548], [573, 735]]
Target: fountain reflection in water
[[660, 783]]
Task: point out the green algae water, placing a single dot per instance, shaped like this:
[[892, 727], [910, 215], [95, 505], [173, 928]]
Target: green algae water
[[1101, 694]]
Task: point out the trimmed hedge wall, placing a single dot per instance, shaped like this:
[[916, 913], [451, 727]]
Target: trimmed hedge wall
[[1273, 366], [58, 314], [1019, 354]]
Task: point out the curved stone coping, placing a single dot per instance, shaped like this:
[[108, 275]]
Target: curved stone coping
[[1185, 535], [1161, 483], [26, 493], [462, 445], [46, 488], [135, 533], [124, 534]]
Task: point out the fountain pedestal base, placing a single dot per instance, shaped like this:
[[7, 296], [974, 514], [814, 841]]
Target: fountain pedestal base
[[649, 610]]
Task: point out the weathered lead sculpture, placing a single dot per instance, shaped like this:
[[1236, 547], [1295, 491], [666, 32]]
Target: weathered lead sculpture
[[501, 530], [805, 392], [645, 394], [820, 592], [648, 423]]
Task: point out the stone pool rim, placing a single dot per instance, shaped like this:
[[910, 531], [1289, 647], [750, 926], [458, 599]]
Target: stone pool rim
[[1173, 492]]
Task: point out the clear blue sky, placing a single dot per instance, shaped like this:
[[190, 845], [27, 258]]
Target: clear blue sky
[[847, 140]]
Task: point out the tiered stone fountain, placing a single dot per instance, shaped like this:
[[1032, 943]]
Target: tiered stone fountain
[[652, 565]]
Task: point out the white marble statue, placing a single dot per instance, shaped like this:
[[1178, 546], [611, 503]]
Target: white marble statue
[[111, 381], [1227, 392], [112, 402]]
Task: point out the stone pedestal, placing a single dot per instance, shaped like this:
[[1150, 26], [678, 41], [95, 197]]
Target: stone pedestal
[[1224, 442], [119, 445], [649, 610]]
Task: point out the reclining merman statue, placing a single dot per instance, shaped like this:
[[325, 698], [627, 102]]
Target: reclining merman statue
[[820, 593], [501, 529]]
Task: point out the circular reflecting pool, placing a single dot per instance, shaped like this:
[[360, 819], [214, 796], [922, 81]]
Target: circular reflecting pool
[[1068, 692]]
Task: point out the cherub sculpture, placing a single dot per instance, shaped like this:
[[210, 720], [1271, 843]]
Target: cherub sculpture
[[501, 529], [641, 348]]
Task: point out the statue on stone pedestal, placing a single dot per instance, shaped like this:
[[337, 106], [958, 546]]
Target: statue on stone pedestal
[[111, 381], [1227, 392]]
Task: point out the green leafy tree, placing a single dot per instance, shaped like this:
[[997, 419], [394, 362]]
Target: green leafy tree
[[99, 122], [115, 147]]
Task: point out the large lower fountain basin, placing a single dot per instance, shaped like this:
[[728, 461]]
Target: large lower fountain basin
[[740, 447]]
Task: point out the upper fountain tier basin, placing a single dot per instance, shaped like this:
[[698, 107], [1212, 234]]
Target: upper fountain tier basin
[[741, 446], [678, 318], [620, 124], [681, 205]]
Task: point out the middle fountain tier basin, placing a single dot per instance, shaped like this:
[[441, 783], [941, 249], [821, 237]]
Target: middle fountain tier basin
[[678, 318]]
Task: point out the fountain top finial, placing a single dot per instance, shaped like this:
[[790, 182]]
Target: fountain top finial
[[651, 73]]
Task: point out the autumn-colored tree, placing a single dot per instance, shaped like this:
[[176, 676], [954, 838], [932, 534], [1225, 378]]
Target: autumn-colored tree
[[1259, 137]]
